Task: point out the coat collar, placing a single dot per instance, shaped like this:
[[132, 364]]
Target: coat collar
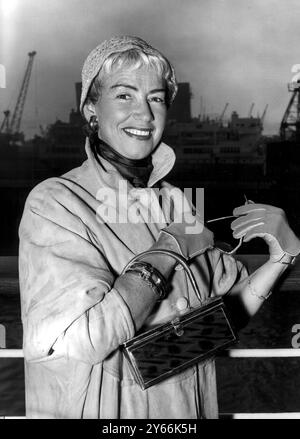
[[163, 159]]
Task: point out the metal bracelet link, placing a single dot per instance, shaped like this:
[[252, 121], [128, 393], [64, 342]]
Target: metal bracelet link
[[151, 276]]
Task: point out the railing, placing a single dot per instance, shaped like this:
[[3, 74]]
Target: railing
[[290, 282], [11, 353]]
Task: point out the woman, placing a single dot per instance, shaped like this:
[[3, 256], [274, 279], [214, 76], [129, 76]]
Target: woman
[[78, 307]]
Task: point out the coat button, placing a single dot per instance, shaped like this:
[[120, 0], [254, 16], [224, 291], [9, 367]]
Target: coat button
[[182, 303]]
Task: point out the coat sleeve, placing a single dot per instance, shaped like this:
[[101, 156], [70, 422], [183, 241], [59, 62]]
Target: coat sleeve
[[69, 305]]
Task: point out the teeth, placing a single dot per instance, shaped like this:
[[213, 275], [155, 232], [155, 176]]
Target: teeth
[[138, 132]]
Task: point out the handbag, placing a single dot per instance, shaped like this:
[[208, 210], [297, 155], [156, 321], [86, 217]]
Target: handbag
[[188, 339]]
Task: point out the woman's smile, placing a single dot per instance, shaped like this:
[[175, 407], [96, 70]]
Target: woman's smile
[[139, 133]]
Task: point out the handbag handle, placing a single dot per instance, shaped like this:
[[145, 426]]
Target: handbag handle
[[180, 259]]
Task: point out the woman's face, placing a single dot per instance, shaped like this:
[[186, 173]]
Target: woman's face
[[131, 111]]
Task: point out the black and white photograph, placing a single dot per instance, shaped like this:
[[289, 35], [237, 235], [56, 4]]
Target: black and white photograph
[[150, 212]]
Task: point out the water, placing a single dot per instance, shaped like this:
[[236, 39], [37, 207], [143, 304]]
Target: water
[[244, 385]]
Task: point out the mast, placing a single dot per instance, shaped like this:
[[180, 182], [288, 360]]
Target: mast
[[290, 124]]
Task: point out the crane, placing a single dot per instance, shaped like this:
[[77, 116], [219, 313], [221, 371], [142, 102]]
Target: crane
[[290, 124], [223, 112], [12, 126], [264, 114], [5, 124], [251, 109]]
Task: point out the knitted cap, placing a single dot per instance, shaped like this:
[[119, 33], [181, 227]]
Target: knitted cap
[[96, 58]]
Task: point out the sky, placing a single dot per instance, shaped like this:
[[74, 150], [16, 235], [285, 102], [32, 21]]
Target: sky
[[235, 51]]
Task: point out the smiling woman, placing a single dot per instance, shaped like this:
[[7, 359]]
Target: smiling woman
[[136, 87], [127, 88], [81, 297]]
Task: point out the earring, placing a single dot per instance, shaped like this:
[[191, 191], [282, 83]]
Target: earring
[[93, 123]]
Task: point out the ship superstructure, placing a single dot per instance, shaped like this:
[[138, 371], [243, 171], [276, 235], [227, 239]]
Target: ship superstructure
[[215, 149]]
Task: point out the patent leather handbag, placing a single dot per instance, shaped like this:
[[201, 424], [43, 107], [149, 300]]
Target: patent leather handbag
[[184, 341]]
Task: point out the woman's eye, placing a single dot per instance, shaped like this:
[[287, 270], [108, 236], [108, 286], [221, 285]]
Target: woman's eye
[[124, 96], [157, 99]]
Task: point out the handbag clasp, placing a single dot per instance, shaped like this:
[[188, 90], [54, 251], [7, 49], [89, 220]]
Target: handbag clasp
[[177, 327]]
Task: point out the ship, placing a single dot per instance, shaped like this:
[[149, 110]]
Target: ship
[[210, 152]]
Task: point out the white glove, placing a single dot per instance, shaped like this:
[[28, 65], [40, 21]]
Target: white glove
[[269, 223]]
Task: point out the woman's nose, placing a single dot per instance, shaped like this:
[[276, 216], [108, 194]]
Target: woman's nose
[[143, 111]]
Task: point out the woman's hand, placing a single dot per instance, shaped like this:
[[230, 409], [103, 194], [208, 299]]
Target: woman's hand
[[267, 222]]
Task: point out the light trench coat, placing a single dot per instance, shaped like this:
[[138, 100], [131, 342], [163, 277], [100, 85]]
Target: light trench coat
[[74, 320]]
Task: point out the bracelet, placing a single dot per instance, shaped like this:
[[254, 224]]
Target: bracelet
[[288, 262], [254, 293], [151, 276]]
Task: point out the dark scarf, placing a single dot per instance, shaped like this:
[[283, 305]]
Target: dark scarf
[[137, 172]]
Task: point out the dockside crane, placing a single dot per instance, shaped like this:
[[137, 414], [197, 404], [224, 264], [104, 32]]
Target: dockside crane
[[264, 114], [251, 109], [290, 124], [5, 124], [262, 118], [12, 126], [223, 113]]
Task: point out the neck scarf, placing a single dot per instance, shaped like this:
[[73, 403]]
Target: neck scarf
[[137, 172]]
